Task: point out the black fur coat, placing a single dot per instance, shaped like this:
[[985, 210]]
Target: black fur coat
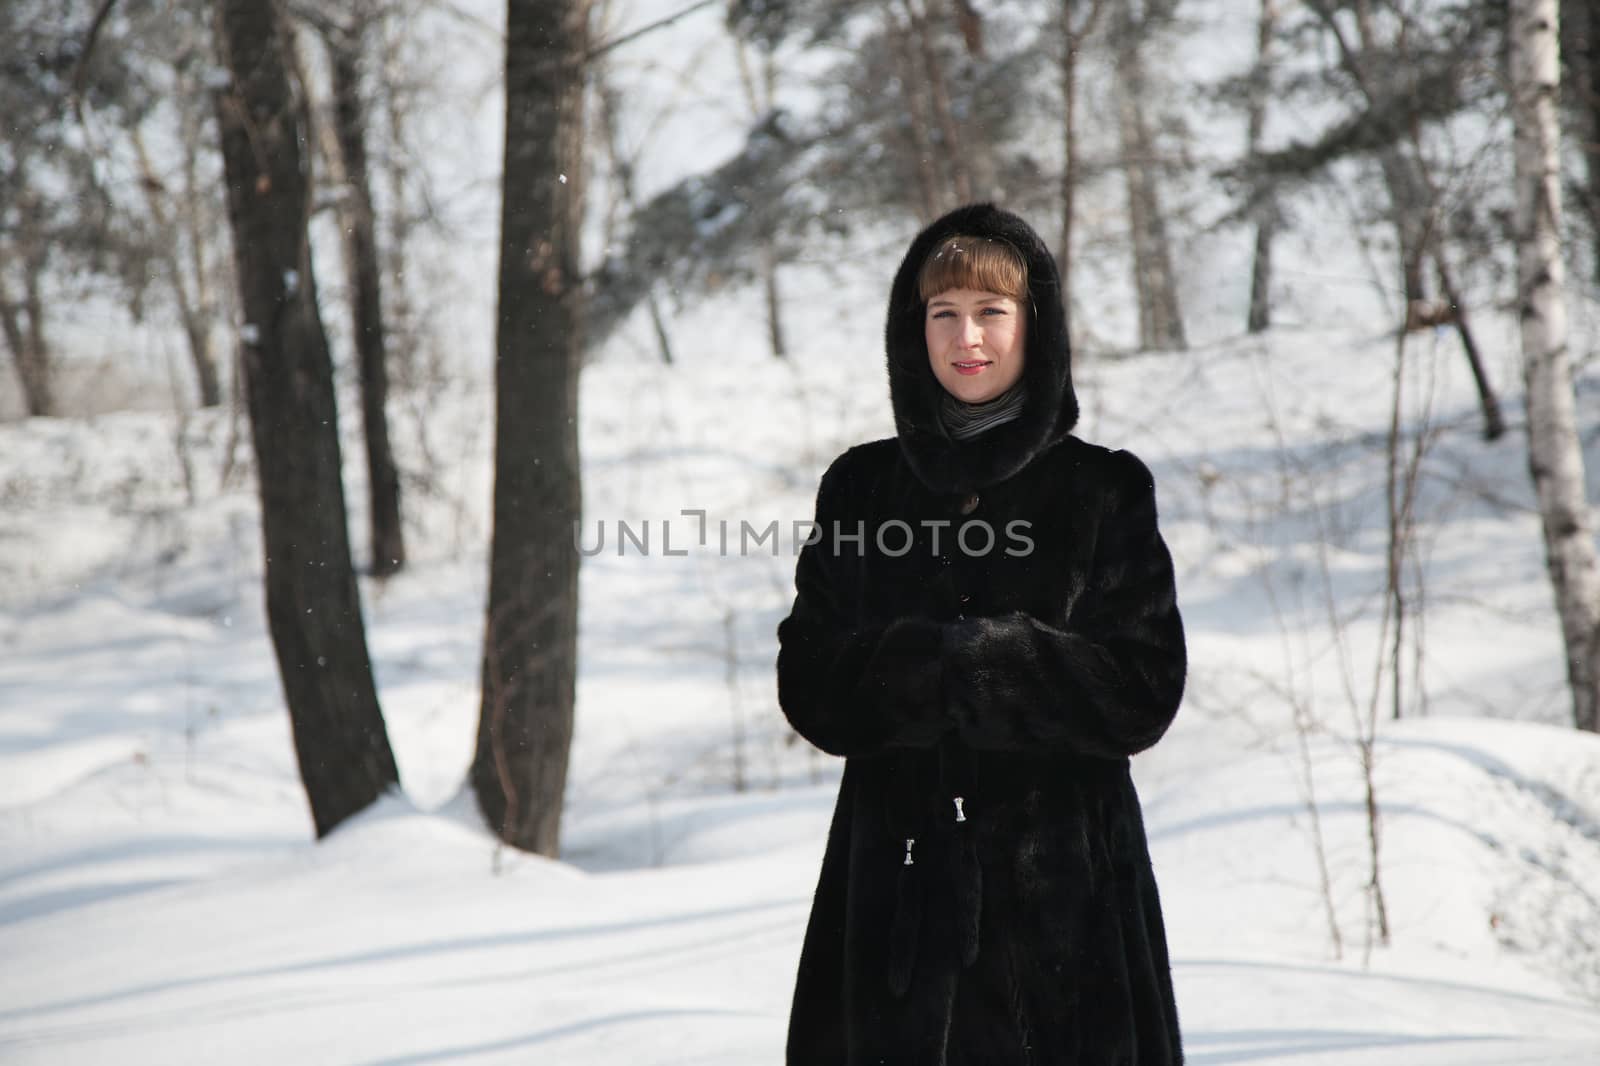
[[986, 895]]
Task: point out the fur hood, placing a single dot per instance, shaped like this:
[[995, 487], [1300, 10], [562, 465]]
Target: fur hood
[[1050, 407]]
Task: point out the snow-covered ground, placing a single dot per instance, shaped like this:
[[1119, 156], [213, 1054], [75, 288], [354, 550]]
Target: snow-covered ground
[[161, 899]]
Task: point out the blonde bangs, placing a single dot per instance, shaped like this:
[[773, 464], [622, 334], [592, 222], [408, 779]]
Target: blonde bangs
[[973, 263]]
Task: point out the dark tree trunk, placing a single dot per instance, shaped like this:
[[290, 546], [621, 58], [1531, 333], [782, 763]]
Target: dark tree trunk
[[1259, 316], [313, 603], [39, 363], [36, 398], [11, 328], [658, 322], [29, 349], [23, 322], [519, 771], [365, 272], [1494, 423], [1580, 92], [769, 277]]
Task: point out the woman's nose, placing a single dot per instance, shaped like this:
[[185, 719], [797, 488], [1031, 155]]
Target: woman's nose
[[971, 334]]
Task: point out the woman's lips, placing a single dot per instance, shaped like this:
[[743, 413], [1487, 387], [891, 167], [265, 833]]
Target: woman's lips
[[974, 366]]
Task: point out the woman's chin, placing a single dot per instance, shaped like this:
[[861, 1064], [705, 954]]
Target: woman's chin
[[969, 391]]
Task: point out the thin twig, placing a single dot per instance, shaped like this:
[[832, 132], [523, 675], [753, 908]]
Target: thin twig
[[81, 70], [633, 35]]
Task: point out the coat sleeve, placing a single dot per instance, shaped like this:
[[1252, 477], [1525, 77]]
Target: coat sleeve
[[850, 687], [1109, 684]]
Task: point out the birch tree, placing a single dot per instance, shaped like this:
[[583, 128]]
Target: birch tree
[[1555, 454]]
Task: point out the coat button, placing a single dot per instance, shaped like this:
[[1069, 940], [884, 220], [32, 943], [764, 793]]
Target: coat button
[[969, 504]]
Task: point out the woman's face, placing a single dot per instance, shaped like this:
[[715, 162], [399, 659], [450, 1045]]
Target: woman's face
[[975, 343]]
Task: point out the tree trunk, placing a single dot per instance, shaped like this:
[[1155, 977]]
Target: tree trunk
[[1555, 454], [11, 329], [658, 322], [519, 771], [29, 349], [1409, 208], [1494, 424], [1160, 321], [1580, 33], [402, 320], [759, 98], [1072, 38], [623, 170], [23, 323], [952, 149], [365, 272], [915, 95], [196, 330], [34, 401], [313, 604], [39, 361], [1413, 200], [1259, 317], [196, 231], [769, 277]]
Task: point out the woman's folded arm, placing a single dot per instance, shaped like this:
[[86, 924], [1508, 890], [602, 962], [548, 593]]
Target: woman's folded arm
[[1110, 684], [854, 689]]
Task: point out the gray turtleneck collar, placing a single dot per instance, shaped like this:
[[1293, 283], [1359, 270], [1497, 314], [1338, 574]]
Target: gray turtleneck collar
[[963, 421]]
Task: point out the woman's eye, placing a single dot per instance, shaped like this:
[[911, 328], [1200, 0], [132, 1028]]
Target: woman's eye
[[994, 310], [944, 314]]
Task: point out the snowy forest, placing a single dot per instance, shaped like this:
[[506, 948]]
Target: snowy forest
[[408, 412]]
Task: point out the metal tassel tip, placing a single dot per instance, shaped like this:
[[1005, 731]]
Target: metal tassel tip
[[909, 841], [961, 815]]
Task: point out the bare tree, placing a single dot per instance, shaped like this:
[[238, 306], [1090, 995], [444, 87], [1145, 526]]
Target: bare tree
[[952, 141], [348, 42], [1259, 316], [760, 96], [313, 603], [1399, 88], [23, 318], [1555, 453], [70, 108], [620, 164], [1074, 32], [519, 771], [188, 287], [184, 205], [1160, 320]]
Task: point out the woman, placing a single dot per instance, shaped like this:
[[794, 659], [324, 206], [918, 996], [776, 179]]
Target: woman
[[985, 628]]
